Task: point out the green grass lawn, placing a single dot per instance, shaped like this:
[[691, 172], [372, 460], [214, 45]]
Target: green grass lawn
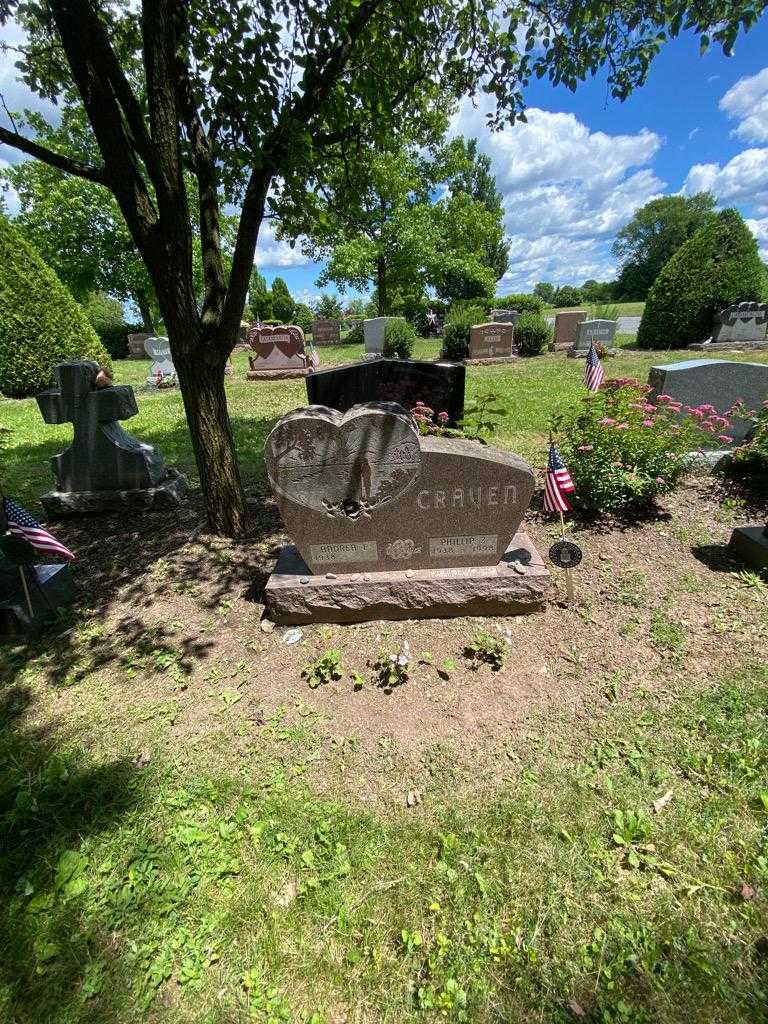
[[624, 308], [172, 852]]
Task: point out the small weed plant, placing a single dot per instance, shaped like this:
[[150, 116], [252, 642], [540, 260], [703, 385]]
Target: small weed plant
[[483, 416], [393, 669], [327, 669], [485, 647]]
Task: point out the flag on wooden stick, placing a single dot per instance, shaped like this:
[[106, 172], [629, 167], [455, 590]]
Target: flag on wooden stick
[[21, 524], [558, 483], [594, 375]]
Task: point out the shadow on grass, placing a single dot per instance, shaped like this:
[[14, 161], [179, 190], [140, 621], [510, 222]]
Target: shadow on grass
[[140, 562], [51, 800]]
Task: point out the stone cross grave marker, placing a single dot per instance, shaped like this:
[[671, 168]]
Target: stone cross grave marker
[[601, 332], [326, 331], [566, 325], [491, 341], [389, 524], [103, 458], [159, 350], [743, 321], [405, 381]]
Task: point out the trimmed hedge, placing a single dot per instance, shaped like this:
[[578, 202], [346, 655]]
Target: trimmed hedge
[[40, 323], [532, 334], [456, 331], [717, 266], [522, 303], [399, 339]]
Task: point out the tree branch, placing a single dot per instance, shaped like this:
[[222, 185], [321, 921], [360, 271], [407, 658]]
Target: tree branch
[[48, 156]]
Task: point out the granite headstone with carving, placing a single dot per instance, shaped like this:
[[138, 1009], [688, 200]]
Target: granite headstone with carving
[[279, 352], [373, 333], [326, 332], [162, 372], [744, 325], [491, 342], [504, 316], [388, 524], [589, 332], [136, 348], [717, 382], [105, 468], [566, 326], [439, 385]]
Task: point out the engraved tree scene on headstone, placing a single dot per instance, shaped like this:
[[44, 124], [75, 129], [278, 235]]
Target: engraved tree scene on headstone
[[105, 468], [390, 524]]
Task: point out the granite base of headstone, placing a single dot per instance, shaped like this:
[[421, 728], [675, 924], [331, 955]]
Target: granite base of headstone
[[388, 524], [491, 343], [105, 468], [279, 353], [750, 544], [601, 333], [566, 328], [504, 316], [717, 382], [439, 385], [742, 327]]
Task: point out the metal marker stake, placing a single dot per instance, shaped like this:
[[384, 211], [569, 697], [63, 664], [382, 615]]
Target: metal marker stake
[[568, 574], [26, 592]]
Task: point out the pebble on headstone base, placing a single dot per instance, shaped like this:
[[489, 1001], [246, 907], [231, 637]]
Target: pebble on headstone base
[[750, 544]]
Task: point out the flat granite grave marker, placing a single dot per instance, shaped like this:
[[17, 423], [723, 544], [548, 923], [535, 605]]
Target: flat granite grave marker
[[717, 382], [162, 370], [405, 381], [389, 525], [105, 468], [280, 353], [326, 332], [599, 332], [491, 342], [566, 326]]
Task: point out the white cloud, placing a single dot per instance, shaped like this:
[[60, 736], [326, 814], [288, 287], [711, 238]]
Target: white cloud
[[693, 132], [744, 179], [273, 253], [759, 229], [747, 102], [567, 190]]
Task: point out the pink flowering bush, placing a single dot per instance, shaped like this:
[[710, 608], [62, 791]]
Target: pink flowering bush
[[623, 450], [428, 421]]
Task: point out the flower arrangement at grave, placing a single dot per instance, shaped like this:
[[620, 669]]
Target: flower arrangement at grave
[[624, 450]]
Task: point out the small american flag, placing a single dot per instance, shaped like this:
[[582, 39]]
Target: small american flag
[[21, 524], [558, 483], [594, 375]]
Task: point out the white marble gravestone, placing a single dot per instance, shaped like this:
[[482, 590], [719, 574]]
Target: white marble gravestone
[[159, 350]]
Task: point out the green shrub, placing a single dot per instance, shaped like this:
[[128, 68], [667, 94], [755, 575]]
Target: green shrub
[[623, 451], [750, 459], [457, 327], [105, 316], [355, 336], [566, 296], [40, 322], [522, 303], [532, 334], [399, 339], [302, 317], [717, 266]]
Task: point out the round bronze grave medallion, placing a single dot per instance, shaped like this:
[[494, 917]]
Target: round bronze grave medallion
[[565, 554]]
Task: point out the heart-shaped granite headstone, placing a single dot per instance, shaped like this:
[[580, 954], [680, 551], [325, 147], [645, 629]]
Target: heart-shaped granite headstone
[[347, 464], [288, 339]]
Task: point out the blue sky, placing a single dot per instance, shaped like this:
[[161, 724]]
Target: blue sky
[[573, 176]]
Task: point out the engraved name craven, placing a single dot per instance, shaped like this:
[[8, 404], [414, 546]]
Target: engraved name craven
[[468, 497]]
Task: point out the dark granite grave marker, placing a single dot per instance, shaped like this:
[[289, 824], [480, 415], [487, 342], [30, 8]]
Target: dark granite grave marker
[[326, 331], [405, 381], [105, 467]]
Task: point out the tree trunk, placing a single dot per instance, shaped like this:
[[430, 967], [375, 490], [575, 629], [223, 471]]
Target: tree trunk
[[381, 285], [201, 378], [145, 309]]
